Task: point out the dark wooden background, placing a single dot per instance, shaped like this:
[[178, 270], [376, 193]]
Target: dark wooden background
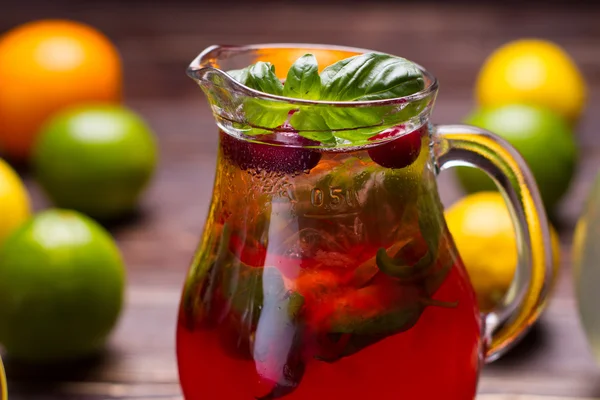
[[158, 39]]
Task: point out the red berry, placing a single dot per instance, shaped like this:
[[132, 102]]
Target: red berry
[[279, 157], [398, 153]]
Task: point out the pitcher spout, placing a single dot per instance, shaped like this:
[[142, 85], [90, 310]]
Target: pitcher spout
[[209, 60]]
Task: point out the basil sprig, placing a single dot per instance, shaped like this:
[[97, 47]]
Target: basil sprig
[[303, 80], [369, 76]]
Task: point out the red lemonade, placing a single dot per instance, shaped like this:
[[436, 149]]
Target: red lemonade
[[327, 274]]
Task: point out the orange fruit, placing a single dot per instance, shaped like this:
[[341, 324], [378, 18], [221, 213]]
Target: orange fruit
[[47, 65], [283, 58]]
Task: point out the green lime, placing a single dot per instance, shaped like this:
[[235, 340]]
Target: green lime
[[61, 287], [544, 139], [96, 159]]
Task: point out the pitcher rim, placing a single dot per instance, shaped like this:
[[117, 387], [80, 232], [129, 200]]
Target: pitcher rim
[[203, 62]]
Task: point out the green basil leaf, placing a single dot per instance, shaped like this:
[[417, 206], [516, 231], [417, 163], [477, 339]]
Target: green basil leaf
[[352, 332], [312, 125], [359, 124], [437, 277], [398, 268], [262, 113], [430, 227], [240, 75], [389, 322], [260, 76], [266, 114], [370, 76], [347, 118], [303, 80]]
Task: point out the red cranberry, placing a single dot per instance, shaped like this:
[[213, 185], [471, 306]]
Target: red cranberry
[[272, 158], [398, 153]]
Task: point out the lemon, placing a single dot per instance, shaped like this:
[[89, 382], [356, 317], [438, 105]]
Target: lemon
[[3, 390], [532, 71], [14, 201], [483, 232], [61, 287]]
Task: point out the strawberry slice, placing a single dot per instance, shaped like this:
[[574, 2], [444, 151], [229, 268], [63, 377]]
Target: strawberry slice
[[248, 251]]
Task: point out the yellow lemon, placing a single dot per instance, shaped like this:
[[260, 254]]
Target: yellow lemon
[[483, 232], [532, 71], [14, 201], [3, 394]]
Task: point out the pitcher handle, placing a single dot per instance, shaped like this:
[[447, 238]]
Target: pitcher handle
[[463, 145]]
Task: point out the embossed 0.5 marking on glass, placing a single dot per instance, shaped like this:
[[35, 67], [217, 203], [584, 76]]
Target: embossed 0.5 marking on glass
[[334, 197]]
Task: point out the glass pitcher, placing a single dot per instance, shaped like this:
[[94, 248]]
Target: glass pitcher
[[326, 270]]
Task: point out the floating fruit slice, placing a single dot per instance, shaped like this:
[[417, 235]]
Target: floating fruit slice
[[249, 251], [362, 317]]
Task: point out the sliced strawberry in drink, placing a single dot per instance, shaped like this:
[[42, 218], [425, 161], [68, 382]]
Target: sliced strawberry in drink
[[279, 156], [362, 317], [249, 251], [317, 287], [400, 152]]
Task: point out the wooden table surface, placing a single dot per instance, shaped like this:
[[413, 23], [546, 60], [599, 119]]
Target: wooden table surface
[[158, 41]]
